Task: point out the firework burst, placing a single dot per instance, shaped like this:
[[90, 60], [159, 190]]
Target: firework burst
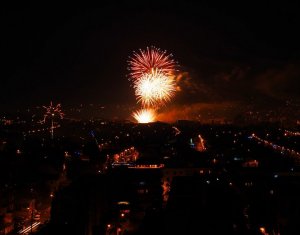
[[154, 89], [144, 115], [151, 59], [52, 111], [152, 73]]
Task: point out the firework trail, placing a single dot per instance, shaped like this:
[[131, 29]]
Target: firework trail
[[151, 59], [144, 115], [154, 89]]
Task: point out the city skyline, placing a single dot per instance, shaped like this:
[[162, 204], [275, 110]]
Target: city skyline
[[150, 118]]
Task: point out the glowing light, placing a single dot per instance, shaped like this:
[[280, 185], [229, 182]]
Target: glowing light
[[177, 131], [144, 115], [144, 61], [154, 89], [291, 133], [30, 227], [200, 146], [262, 230], [148, 166], [123, 203]]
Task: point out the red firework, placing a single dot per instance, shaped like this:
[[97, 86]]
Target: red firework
[[52, 111], [149, 60]]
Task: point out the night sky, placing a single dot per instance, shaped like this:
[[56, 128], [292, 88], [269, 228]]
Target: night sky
[[245, 54]]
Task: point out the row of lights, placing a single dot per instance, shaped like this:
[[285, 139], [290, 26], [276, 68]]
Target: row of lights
[[276, 147], [291, 133]]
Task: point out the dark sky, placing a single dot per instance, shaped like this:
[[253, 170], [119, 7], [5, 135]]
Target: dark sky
[[235, 53]]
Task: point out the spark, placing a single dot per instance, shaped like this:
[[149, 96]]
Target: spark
[[144, 115], [154, 89], [145, 61]]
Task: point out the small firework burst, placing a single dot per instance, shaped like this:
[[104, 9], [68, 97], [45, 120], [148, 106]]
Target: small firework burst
[[52, 111]]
